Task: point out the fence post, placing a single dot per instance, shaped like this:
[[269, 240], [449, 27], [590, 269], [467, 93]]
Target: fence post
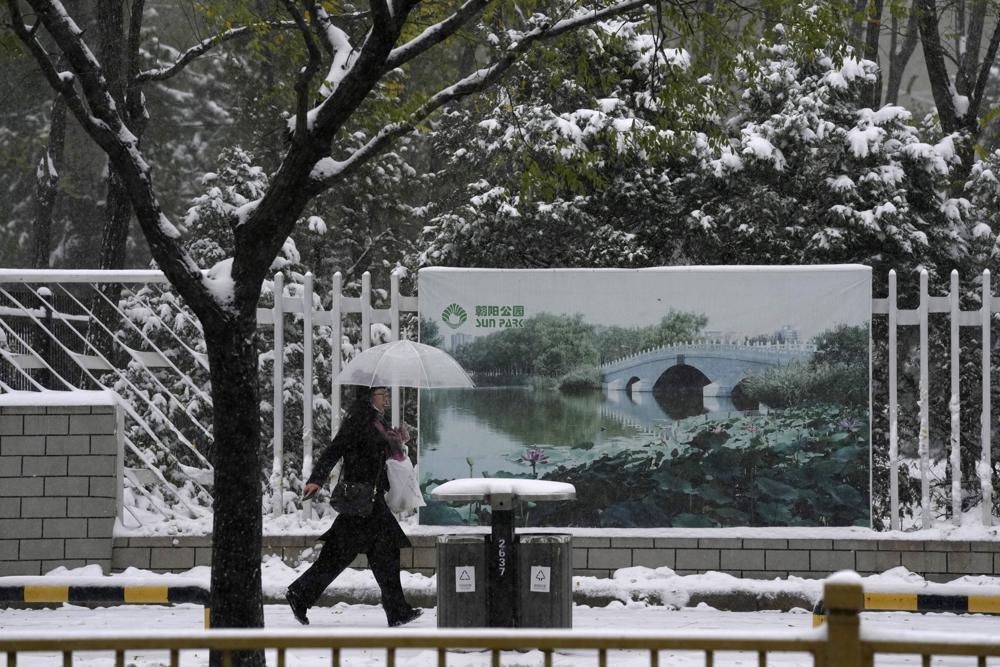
[[985, 466], [893, 410], [843, 599], [307, 385], [924, 437], [278, 411], [954, 406], [366, 310], [336, 332], [395, 403]]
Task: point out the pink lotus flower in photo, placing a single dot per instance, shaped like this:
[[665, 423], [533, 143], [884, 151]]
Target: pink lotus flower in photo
[[534, 456]]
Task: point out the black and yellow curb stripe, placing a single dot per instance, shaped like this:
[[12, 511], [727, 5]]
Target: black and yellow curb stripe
[[923, 602], [112, 595]]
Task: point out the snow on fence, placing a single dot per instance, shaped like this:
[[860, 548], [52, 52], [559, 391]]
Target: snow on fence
[[48, 319]]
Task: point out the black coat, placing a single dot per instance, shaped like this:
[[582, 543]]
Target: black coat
[[364, 449]]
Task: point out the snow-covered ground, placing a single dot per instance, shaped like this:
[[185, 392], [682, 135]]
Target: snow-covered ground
[[630, 613]]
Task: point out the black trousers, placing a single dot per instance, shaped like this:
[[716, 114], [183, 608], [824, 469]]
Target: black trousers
[[347, 538]]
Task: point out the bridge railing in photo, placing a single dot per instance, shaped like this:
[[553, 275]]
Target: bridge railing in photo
[[843, 641]]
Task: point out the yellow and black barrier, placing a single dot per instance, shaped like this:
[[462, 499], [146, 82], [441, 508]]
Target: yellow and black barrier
[[110, 595], [922, 602]]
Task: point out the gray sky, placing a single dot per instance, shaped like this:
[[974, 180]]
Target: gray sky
[[749, 299]]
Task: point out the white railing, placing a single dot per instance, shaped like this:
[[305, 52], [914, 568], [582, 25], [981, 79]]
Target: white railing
[[710, 345], [340, 306], [87, 367], [919, 317], [25, 359]]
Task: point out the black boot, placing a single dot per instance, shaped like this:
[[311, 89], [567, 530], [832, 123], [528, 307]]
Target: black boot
[[411, 615], [299, 608]]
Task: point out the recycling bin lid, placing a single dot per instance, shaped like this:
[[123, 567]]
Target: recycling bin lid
[[482, 488]]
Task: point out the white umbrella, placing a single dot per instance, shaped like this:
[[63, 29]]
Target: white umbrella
[[404, 363]]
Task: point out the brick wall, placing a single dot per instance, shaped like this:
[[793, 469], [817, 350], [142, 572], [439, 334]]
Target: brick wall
[[766, 558], [748, 557], [59, 485]]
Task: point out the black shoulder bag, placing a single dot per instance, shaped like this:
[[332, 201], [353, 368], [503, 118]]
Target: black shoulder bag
[[352, 498]]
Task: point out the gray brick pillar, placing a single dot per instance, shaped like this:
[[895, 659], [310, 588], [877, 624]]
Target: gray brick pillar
[[60, 480]]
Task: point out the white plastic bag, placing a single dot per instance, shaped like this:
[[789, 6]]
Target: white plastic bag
[[404, 490]]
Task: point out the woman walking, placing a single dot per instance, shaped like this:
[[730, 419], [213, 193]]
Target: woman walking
[[364, 441]]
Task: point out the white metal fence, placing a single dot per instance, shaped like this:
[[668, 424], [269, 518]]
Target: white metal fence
[[58, 304]]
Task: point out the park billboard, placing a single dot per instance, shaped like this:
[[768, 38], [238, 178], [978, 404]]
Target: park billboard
[[670, 397]]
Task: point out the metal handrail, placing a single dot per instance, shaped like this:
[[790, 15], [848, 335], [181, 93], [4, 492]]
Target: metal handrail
[[842, 642], [493, 641]]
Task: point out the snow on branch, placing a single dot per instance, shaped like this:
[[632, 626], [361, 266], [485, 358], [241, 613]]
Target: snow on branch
[[435, 34], [341, 49], [205, 45], [305, 74], [329, 171]]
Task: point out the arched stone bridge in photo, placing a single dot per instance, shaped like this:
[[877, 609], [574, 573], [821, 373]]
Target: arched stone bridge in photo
[[724, 364]]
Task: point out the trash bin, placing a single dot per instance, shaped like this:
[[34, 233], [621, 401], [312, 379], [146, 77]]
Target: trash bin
[[545, 581], [461, 581], [503, 558]]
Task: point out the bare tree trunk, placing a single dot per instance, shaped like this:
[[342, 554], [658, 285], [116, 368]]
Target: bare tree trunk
[[871, 94], [968, 55], [899, 58], [111, 48], [47, 185], [854, 36], [941, 84], [118, 207], [237, 517], [958, 103]]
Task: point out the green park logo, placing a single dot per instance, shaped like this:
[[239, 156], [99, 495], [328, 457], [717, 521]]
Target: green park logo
[[454, 316]]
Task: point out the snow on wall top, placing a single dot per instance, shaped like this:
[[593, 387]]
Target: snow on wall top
[[40, 398]]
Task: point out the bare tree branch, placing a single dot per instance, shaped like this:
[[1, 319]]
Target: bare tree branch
[[968, 62], [202, 47], [984, 73], [382, 15], [435, 34], [82, 61], [937, 71], [328, 171], [306, 74], [134, 104], [899, 58], [260, 234], [61, 82], [106, 127]]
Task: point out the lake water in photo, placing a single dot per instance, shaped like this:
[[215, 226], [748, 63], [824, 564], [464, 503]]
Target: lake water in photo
[[491, 427]]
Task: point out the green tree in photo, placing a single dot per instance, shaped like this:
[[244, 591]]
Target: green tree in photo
[[555, 346], [837, 374]]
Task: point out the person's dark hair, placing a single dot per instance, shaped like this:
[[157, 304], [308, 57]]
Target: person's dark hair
[[362, 402], [359, 412], [363, 393]]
